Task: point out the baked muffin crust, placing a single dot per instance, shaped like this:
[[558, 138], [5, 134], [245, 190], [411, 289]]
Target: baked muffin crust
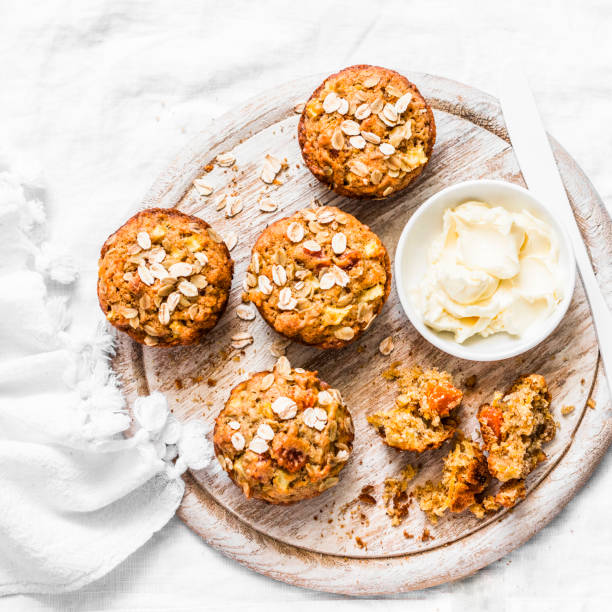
[[319, 277], [367, 131], [283, 436], [515, 426], [164, 278], [421, 418]]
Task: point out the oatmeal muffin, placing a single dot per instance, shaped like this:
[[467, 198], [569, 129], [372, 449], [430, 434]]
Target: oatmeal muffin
[[164, 278], [464, 476], [283, 436], [367, 132], [319, 277], [421, 418], [514, 428]]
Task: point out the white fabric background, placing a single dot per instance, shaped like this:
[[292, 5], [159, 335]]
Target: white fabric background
[[103, 94]]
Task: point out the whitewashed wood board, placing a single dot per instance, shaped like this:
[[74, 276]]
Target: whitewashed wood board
[[314, 543]]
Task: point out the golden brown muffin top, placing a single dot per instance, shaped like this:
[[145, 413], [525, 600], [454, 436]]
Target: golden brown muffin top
[[283, 435], [367, 131], [164, 277], [319, 276]]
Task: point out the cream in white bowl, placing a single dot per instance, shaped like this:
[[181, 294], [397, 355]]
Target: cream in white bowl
[[484, 271]]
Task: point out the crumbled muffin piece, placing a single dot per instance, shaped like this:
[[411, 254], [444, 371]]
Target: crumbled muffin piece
[[464, 476], [509, 494], [515, 426], [367, 131], [319, 276], [421, 418], [395, 494], [283, 436], [164, 278]]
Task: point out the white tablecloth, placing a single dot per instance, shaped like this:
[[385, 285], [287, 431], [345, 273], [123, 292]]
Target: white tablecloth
[[103, 93]]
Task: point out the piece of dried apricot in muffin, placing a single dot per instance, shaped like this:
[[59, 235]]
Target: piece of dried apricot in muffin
[[464, 476], [164, 278], [367, 131], [421, 418], [515, 426], [283, 436], [319, 277]]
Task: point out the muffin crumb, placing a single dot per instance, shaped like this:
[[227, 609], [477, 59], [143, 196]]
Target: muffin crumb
[[515, 426], [464, 476], [421, 418], [395, 497]]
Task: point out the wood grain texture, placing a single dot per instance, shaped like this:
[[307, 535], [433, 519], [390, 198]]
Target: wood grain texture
[[313, 544]]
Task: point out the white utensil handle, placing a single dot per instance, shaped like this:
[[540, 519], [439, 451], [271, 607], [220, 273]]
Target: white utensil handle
[[539, 168]]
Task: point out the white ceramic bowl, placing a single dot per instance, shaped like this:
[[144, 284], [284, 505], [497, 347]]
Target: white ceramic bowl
[[411, 259]]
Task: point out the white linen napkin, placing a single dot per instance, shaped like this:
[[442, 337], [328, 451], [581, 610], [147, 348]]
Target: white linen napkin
[[76, 497]]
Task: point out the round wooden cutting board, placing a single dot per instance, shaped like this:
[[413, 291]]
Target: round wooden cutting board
[[337, 542]]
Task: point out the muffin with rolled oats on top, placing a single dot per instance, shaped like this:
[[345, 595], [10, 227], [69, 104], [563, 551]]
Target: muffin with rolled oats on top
[[283, 436], [367, 131], [319, 277], [164, 278]]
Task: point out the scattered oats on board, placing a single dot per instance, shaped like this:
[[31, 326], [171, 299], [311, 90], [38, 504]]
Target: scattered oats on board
[[231, 240], [245, 312], [225, 160], [234, 207], [267, 205], [386, 346], [202, 187], [271, 167], [241, 340], [279, 347]]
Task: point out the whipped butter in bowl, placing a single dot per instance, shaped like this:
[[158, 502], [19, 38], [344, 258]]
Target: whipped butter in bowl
[[484, 271]]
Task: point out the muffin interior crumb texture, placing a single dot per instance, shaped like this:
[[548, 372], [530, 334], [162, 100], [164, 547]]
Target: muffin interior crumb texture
[[422, 417], [283, 436], [395, 495], [515, 426], [464, 476], [319, 276], [367, 131], [164, 278]]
